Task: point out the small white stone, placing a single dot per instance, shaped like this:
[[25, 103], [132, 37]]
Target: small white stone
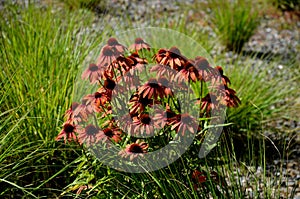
[[249, 191], [268, 29]]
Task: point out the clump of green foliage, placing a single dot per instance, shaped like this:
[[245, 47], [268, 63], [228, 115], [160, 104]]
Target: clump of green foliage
[[40, 54], [235, 22], [86, 4], [288, 5]]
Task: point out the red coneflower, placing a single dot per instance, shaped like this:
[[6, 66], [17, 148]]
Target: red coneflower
[[97, 100], [139, 44], [188, 73], [208, 103], [83, 111], [116, 46], [228, 96], [109, 84], [171, 57], [113, 133], [206, 72], [125, 63], [134, 150], [105, 92], [76, 113], [198, 178], [67, 133], [69, 114], [166, 86], [151, 89], [184, 122], [137, 103], [119, 67], [163, 117], [144, 124], [93, 73], [106, 57], [139, 63], [129, 82], [125, 122], [90, 135], [220, 75], [162, 70]]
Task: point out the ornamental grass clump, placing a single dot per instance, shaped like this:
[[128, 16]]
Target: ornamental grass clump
[[94, 5], [235, 22], [287, 5], [145, 99]]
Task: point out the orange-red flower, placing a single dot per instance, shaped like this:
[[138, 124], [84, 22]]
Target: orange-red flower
[[106, 57], [90, 135], [228, 96], [188, 73], [165, 85], [79, 115], [198, 178], [151, 89], [220, 75], [209, 103], [139, 44], [129, 82], [111, 54], [98, 100], [206, 72], [171, 57], [138, 103], [134, 150], [93, 73], [82, 111], [113, 133], [67, 133], [143, 124], [164, 117], [125, 122], [109, 84], [162, 70], [116, 46], [69, 114], [139, 63], [184, 122], [119, 67]]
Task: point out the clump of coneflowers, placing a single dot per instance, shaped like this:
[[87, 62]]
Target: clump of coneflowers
[[92, 120]]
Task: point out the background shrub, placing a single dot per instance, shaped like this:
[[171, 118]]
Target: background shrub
[[86, 4], [40, 55], [267, 95], [288, 5], [235, 22]]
